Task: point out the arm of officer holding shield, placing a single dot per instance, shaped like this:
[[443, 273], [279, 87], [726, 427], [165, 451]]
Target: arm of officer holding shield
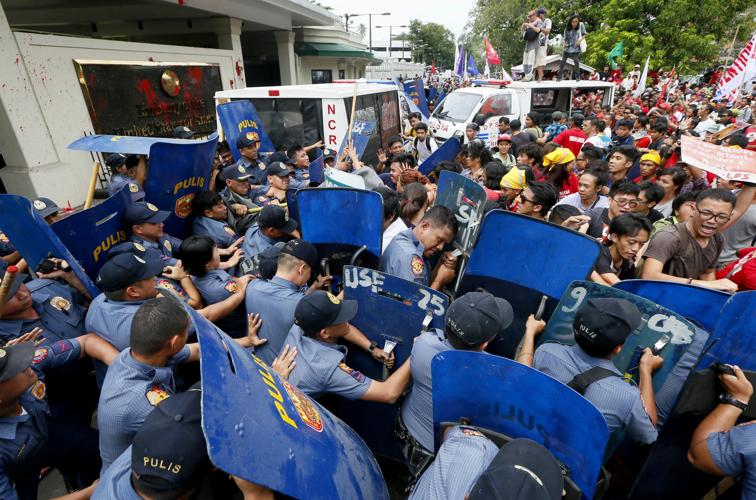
[[221, 309], [356, 337]]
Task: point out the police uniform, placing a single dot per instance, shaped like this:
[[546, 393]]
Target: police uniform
[[463, 457], [6, 247], [118, 181], [166, 248], [60, 309], [300, 178], [619, 402], [130, 391], [111, 319], [255, 241], [404, 258], [24, 443], [417, 410], [115, 481], [733, 452], [256, 170], [275, 301], [262, 199], [321, 369], [215, 286], [219, 231]]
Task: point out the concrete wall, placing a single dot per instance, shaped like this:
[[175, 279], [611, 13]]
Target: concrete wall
[[307, 64], [48, 61]]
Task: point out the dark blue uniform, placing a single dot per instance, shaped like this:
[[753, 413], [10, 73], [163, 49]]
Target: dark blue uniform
[[300, 178], [166, 248], [219, 231], [6, 247], [255, 241], [256, 170]]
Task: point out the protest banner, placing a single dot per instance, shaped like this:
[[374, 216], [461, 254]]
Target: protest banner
[[733, 164]]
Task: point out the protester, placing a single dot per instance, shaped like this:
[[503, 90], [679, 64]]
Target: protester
[[588, 195], [537, 199], [574, 35], [628, 233]]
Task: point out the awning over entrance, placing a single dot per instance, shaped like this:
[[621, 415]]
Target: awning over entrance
[[331, 50]]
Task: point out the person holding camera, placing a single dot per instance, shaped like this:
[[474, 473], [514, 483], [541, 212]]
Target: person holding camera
[[531, 30]]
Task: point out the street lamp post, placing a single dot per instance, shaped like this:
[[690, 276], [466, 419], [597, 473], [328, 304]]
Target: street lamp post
[[391, 39], [370, 24]]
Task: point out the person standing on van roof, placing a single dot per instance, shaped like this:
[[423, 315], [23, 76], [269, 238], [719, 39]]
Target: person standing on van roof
[[543, 42], [531, 30]]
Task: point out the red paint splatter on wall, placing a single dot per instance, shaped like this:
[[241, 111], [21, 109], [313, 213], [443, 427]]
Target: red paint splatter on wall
[[232, 84], [238, 69], [152, 101]]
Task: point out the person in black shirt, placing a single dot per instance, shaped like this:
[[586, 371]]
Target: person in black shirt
[[650, 194], [627, 235]]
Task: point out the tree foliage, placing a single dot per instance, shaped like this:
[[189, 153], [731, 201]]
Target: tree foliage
[[688, 34], [431, 42]]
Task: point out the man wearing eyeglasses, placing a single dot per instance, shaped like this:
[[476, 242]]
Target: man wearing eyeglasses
[[623, 199], [687, 252]]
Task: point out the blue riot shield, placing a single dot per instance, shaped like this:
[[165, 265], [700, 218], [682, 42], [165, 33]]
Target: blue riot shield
[[515, 400], [415, 90], [262, 429], [466, 199], [361, 132], [657, 321], [177, 170], [34, 239], [91, 233], [667, 472], [240, 118], [317, 168], [340, 222], [698, 304], [446, 152], [522, 260], [390, 309]]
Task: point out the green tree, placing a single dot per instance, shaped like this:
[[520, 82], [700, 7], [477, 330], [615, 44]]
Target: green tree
[[431, 42], [687, 34]]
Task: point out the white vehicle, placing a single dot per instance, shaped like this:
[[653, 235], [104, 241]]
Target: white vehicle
[[485, 104], [305, 114]]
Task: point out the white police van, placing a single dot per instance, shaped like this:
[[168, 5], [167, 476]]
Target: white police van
[[305, 114], [486, 103]]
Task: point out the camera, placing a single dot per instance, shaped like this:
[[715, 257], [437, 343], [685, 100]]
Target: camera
[[48, 265]]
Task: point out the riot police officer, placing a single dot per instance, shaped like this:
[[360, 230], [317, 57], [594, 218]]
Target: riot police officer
[[145, 223]]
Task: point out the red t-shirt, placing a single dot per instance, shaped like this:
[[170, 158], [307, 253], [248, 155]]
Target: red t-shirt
[[572, 139], [643, 142], [745, 270], [569, 186]]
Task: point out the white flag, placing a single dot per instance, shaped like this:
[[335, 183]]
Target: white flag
[[742, 70], [642, 82]]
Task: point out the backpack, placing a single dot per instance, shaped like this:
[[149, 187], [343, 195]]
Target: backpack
[[530, 35]]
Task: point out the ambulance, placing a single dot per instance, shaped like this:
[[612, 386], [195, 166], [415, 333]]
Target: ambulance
[[490, 100], [305, 114]]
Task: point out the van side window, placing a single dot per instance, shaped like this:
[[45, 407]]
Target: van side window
[[497, 105]]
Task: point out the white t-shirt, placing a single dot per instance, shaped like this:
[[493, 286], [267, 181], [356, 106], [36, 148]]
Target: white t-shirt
[[395, 228], [575, 201]]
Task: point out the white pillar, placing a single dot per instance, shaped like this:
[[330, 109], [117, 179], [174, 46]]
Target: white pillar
[[286, 57], [229, 38], [25, 142]]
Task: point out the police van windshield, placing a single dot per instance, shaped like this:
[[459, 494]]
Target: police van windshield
[[457, 107]]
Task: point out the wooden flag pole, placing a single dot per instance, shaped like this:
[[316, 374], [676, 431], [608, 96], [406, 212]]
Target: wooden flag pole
[[92, 184]]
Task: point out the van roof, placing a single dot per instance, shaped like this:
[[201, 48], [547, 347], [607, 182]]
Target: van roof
[[486, 89], [318, 91]]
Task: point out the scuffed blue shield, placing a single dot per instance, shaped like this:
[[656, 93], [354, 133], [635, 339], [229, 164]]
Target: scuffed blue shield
[[340, 222], [317, 168], [698, 304], [91, 233], [361, 133], [466, 199], [446, 152], [394, 310], [262, 429], [34, 238], [520, 402], [667, 472], [240, 118], [177, 170], [415, 90], [522, 260], [657, 321]]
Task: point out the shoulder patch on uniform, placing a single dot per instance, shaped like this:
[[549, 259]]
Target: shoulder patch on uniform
[[417, 265], [60, 304], [139, 247], [470, 432], [3, 238], [40, 355], [261, 198], [157, 395], [307, 411], [39, 204], [133, 187], [355, 374], [261, 166], [39, 390], [231, 287], [167, 245], [305, 175], [228, 229]]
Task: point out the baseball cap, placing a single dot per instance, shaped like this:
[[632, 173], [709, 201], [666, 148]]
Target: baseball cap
[[18, 279], [141, 212], [504, 137], [115, 159], [247, 140], [279, 169], [278, 156], [605, 322], [15, 359], [478, 317], [321, 309], [182, 132], [128, 247], [235, 172], [276, 217], [541, 10], [169, 451], [126, 269], [302, 250], [522, 469], [45, 206], [268, 261]]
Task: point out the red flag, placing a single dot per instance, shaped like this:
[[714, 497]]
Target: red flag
[[491, 55], [433, 68], [665, 88]]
